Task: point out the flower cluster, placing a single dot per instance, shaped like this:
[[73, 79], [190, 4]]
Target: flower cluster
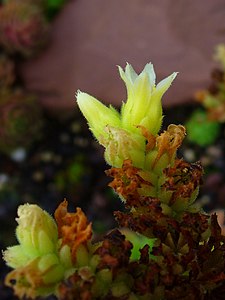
[[23, 27], [122, 133], [45, 255], [166, 247], [21, 119]]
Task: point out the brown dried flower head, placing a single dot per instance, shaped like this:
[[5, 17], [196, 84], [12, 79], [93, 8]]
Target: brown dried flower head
[[73, 228]]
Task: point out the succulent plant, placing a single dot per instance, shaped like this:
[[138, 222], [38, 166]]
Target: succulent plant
[[42, 249], [23, 28], [213, 99], [201, 130], [179, 251], [124, 134], [21, 120]]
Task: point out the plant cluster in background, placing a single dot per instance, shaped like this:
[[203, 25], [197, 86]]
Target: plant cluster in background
[[205, 136], [169, 249], [205, 123], [24, 32], [213, 100]]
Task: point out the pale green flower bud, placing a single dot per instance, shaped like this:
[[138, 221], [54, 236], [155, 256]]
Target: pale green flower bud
[[36, 233], [40, 261], [121, 145], [139, 91], [143, 106], [97, 114], [120, 134]]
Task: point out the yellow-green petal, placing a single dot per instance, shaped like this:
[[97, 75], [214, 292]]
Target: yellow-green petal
[[97, 114], [15, 256]]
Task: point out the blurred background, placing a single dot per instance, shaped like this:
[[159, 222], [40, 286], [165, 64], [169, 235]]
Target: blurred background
[[90, 38], [50, 49]]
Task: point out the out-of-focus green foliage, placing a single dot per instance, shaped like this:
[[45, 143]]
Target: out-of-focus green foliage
[[201, 130]]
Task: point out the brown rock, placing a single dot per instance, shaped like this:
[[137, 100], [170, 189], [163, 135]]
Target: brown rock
[[91, 37]]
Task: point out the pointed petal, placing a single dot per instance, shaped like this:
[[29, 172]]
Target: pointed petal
[[163, 85], [15, 257], [153, 120], [97, 114], [149, 69], [129, 75]]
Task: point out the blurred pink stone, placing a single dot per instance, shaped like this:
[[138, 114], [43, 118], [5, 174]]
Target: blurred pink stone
[[90, 38]]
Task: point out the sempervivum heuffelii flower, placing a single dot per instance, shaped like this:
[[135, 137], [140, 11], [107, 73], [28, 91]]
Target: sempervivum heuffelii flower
[[46, 253], [141, 157], [23, 28], [122, 133], [21, 120]]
